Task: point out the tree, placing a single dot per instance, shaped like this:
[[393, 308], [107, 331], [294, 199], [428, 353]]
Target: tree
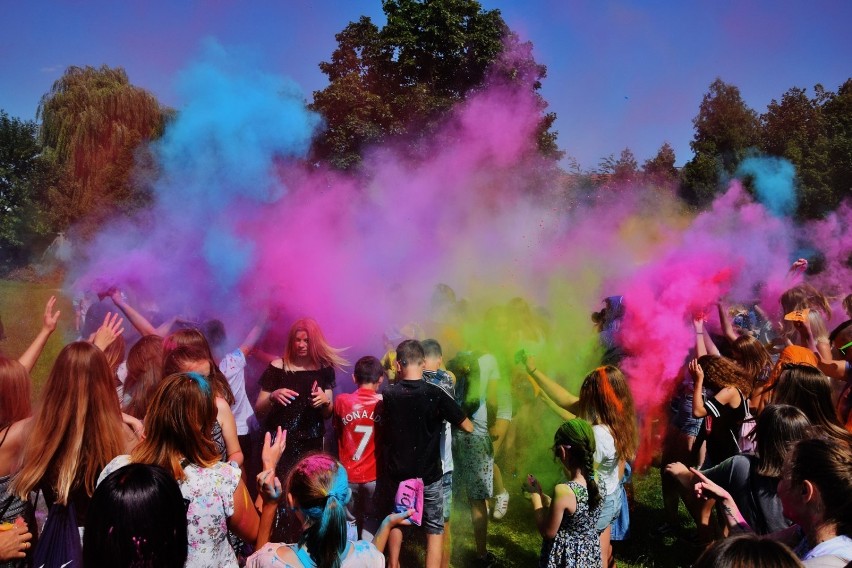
[[398, 82], [794, 129], [92, 122], [619, 171], [660, 170], [725, 129], [837, 114], [24, 175]]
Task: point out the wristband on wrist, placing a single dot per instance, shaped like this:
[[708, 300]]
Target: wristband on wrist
[[532, 373]]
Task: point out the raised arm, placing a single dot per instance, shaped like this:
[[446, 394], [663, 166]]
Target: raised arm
[[698, 408], [560, 412], [702, 346], [253, 336], [48, 326], [727, 328], [269, 486], [139, 321], [559, 394], [833, 368], [110, 329]]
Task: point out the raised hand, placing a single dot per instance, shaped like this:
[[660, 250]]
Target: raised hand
[[272, 451], [50, 318], [110, 329], [696, 371]]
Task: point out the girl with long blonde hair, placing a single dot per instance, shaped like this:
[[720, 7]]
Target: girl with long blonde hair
[[296, 394], [77, 430]]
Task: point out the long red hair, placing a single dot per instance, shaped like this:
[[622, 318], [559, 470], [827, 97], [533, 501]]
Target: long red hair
[[320, 352], [15, 402]]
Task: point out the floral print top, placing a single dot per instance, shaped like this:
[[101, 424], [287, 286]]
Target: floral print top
[[210, 493]]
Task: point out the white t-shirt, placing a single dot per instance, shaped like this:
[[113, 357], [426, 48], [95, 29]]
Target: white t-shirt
[[489, 371], [606, 458], [838, 546], [233, 366]]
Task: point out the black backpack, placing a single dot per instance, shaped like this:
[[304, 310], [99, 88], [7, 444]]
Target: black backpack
[[59, 544]]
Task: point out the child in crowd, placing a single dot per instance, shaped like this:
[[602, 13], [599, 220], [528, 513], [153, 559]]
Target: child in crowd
[[355, 418], [478, 390], [413, 418], [317, 490], [568, 521], [437, 375]]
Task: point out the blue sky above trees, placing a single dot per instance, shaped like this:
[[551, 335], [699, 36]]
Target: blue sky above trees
[[619, 73]]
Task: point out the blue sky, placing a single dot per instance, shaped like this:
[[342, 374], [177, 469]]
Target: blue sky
[[620, 73]]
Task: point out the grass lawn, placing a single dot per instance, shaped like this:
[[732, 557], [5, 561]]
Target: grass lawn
[[516, 543], [21, 310], [513, 540]]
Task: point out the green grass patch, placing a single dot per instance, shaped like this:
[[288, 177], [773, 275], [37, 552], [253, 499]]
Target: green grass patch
[[21, 310], [515, 541]]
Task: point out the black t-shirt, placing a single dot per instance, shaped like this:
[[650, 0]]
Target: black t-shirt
[[413, 414], [721, 428], [301, 420]]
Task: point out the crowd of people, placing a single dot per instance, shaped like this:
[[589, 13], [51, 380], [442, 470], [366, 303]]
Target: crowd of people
[[146, 450]]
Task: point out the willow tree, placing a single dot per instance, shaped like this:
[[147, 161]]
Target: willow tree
[[93, 121]]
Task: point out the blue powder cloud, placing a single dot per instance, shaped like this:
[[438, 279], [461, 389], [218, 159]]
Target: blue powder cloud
[[774, 182], [237, 119]]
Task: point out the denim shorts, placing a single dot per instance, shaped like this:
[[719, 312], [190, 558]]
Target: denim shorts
[[610, 509], [447, 488], [683, 419]]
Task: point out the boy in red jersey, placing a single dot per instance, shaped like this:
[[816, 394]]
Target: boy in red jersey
[[355, 418]]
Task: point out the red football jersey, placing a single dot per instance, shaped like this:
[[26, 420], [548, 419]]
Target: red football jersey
[[355, 418]]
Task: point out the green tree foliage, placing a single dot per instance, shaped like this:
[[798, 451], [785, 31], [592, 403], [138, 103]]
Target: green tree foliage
[[837, 116], [619, 171], [660, 170], [794, 129], [815, 134], [24, 175], [725, 130], [93, 120], [399, 81]]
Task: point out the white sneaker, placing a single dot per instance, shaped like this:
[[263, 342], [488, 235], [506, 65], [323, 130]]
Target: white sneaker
[[501, 505]]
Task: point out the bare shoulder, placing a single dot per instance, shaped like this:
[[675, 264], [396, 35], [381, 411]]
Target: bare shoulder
[[18, 432], [277, 363]]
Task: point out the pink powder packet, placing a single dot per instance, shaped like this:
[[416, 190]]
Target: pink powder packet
[[409, 495]]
